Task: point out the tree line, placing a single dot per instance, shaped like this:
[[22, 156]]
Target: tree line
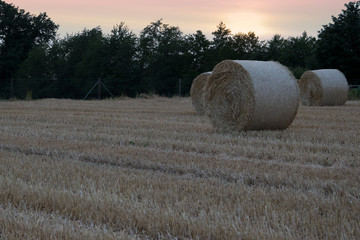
[[31, 54]]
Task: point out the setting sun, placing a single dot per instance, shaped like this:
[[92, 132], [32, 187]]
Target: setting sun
[[247, 22]]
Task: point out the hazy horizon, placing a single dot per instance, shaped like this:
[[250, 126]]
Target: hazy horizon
[[265, 18]]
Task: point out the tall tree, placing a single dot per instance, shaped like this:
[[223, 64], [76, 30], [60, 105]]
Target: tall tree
[[247, 46], [222, 44], [162, 50], [299, 52], [85, 60], [72, 64], [275, 48], [122, 68], [198, 53], [34, 74], [20, 32], [339, 42]]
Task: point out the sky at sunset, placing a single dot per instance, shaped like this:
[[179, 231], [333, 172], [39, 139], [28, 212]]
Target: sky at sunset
[[264, 17]]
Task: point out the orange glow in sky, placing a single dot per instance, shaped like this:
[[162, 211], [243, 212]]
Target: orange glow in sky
[[264, 17]]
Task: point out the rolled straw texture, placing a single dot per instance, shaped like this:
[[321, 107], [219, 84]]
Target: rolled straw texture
[[251, 95], [324, 87], [197, 92]]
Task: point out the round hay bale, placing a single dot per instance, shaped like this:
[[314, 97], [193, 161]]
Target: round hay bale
[[324, 87], [197, 92], [251, 95]]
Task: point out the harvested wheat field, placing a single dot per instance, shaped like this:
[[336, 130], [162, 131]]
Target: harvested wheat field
[[154, 169]]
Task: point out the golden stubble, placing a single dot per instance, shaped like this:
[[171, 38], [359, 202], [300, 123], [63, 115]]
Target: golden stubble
[[153, 168]]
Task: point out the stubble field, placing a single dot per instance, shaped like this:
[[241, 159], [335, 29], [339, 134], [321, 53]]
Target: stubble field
[[154, 169]]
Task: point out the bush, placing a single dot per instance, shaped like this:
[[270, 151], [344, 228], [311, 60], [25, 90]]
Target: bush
[[354, 93], [298, 71]]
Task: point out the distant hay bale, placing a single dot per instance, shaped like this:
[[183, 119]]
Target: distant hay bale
[[251, 95], [197, 92], [324, 87]]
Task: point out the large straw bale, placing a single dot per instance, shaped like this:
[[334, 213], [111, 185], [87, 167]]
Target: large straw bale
[[251, 95], [197, 92], [324, 87]]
